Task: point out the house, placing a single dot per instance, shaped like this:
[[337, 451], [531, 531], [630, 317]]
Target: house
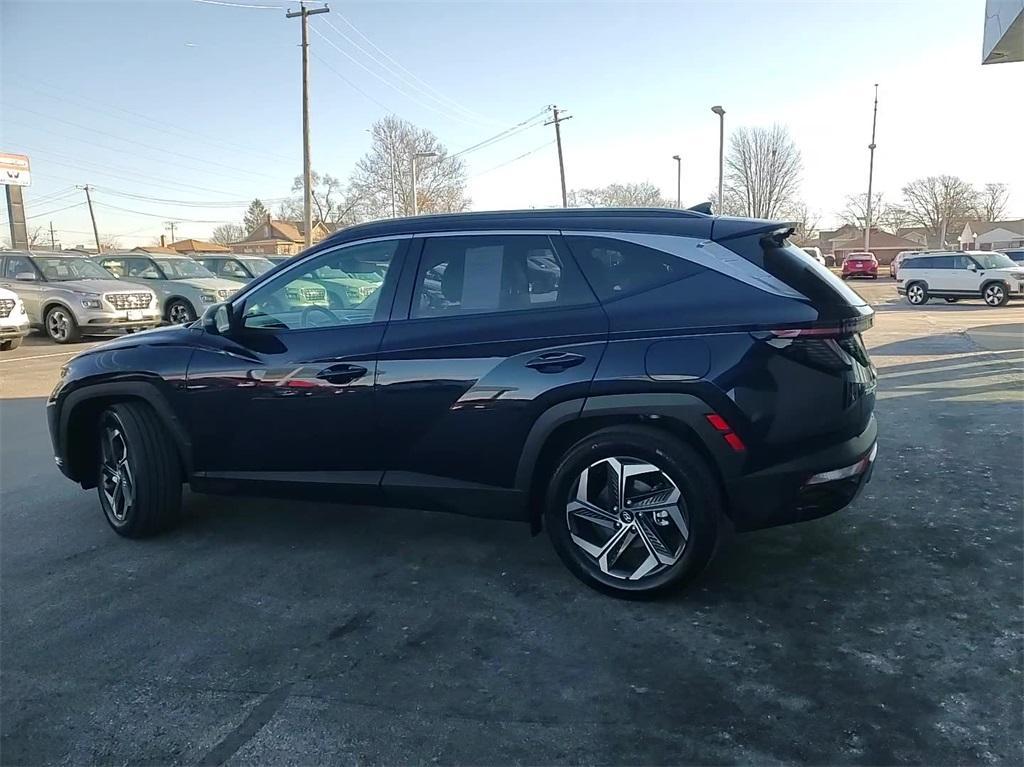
[[151, 250], [278, 238], [190, 246], [826, 237], [918, 234], [992, 235], [884, 245]]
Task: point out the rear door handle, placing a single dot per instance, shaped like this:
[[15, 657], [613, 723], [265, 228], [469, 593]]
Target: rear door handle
[[342, 374], [555, 362]]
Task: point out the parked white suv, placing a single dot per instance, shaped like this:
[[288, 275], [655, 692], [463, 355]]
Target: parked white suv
[[13, 320], [987, 275]]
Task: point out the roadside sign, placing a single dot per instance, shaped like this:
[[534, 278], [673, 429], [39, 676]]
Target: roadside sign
[[14, 170]]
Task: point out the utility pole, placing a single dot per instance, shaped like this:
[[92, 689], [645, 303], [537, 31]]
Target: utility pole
[[679, 180], [92, 215], [871, 174], [394, 212], [307, 174], [555, 120], [53, 242], [171, 225], [718, 110]]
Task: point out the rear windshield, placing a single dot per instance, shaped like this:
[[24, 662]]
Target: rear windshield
[[795, 268]]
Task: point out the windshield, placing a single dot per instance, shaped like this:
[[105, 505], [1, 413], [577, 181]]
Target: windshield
[[57, 269], [258, 266], [993, 260], [182, 268]]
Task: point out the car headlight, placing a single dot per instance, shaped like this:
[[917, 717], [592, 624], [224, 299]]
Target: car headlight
[[19, 308], [91, 303], [223, 293], [207, 298]]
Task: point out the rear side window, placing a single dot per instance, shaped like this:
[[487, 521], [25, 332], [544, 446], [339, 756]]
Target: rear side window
[[940, 262], [615, 268], [480, 274]]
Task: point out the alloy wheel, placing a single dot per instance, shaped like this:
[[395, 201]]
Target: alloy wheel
[[629, 518], [179, 314], [116, 474], [916, 294], [58, 324], [994, 295]]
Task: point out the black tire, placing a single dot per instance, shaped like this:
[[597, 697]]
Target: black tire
[[154, 472], [952, 300], [995, 294], [10, 344], [61, 325], [700, 503], [917, 293], [180, 312]]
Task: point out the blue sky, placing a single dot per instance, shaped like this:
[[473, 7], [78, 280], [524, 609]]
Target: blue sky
[[198, 102]]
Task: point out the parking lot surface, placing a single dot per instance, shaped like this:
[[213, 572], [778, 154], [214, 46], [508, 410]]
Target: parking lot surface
[[296, 633]]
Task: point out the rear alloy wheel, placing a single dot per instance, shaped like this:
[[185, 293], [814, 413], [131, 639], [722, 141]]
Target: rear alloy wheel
[[180, 312], [633, 512], [917, 294], [952, 300], [995, 294], [61, 325], [139, 472]]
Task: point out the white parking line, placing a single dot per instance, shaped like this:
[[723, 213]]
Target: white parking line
[[42, 356]]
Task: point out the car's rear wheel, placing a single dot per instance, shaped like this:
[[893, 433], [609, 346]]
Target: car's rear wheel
[[952, 300], [633, 512], [917, 293], [10, 344], [180, 312], [139, 472], [61, 325], [995, 294]]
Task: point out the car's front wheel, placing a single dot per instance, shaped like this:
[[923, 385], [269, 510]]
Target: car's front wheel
[[139, 472], [633, 512], [995, 294], [61, 325], [180, 312], [917, 294], [10, 344]]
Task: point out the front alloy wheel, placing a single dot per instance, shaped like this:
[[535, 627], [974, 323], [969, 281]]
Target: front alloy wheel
[[628, 516], [916, 294], [180, 313], [995, 294], [117, 478], [61, 326]]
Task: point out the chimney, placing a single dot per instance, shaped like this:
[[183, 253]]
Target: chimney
[[163, 241]]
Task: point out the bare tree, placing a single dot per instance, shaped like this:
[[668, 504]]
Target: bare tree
[[855, 211], [110, 243], [941, 204], [734, 204], [642, 195], [333, 202], [225, 234], [804, 219], [38, 237], [763, 171], [992, 202], [894, 218], [255, 215], [440, 180]]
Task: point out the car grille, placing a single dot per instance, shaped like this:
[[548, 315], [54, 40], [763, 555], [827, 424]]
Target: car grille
[[122, 301], [313, 295], [6, 307]]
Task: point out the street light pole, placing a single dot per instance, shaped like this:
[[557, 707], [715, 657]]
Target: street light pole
[[871, 175], [679, 180], [415, 202], [721, 154]]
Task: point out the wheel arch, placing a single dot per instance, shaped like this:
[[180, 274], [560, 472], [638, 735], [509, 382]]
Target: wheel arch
[[994, 280], [679, 415], [79, 420], [51, 303]]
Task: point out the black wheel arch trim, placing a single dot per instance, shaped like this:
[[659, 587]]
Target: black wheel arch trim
[[144, 390]]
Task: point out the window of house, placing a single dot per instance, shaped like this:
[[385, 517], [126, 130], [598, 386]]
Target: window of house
[[479, 274]]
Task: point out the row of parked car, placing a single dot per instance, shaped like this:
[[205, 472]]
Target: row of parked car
[[69, 296]]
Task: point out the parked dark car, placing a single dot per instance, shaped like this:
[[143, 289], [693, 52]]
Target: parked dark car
[[665, 376], [1015, 254]]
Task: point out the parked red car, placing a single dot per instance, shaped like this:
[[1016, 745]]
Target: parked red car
[[860, 265]]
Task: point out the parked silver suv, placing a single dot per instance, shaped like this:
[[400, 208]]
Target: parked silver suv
[[184, 286], [70, 296]]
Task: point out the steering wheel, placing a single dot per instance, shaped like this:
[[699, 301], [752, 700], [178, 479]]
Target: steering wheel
[[304, 320]]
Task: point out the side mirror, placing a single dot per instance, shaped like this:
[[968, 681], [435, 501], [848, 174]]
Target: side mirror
[[25, 277], [973, 267], [219, 320]]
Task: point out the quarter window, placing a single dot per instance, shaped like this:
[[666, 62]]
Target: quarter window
[[480, 274], [615, 268], [338, 288]]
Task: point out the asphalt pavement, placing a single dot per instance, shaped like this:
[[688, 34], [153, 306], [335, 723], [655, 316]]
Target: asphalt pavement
[[275, 632]]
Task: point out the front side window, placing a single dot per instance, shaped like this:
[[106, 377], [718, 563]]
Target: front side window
[[338, 288], [257, 266], [230, 268], [182, 268], [57, 269], [615, 268], [962, 262], [480, 274], [994, 261]]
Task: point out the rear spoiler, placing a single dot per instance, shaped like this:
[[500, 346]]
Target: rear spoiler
[[701, 207], [725, 228]]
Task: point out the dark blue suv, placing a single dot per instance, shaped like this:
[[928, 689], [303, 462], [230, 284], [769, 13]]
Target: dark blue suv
[[635, 381]]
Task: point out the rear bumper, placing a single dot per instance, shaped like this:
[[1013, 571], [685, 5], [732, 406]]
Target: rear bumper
[[781, 494]]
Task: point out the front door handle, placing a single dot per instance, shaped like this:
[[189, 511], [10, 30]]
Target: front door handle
[[342, 374], [555, 362]]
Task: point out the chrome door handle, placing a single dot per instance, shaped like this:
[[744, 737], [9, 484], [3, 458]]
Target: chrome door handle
[[555, 362]]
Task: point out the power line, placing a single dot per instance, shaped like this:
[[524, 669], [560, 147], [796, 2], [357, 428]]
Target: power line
[[376, 101], [515, 159], [241, 5], [164, 215], [55, 210], [407, 70], [187, 203], [507, 133], [391, 85]]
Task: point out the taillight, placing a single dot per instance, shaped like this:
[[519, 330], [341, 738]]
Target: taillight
[[722, 426], [832, 330]]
